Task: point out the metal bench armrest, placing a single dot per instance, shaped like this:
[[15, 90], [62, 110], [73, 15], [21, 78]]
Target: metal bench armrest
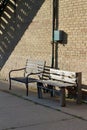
[[21, 69]]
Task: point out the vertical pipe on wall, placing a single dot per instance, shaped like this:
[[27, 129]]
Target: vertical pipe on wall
[[54, 27]]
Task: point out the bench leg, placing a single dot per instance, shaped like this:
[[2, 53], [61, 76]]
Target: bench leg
[[79, 97], [79, 87], [52, 91], [62, 97], [9, 84], [52, 94], [26, 89], [39, 89]]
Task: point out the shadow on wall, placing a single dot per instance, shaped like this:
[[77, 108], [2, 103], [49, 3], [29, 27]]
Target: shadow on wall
[[13, 24], [65, 37]]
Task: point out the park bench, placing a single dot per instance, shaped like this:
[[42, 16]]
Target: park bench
[[63, 80], [32, 71]]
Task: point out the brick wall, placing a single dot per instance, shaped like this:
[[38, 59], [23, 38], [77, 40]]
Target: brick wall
[[73, 19], [35, 42]]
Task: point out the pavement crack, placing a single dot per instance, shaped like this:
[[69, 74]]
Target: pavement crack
[[37, 124]]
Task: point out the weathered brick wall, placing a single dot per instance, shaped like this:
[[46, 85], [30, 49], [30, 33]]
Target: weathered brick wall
[[73, 20], [35, 43]]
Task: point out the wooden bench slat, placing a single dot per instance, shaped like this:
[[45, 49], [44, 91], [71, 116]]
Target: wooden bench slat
[[63, 73], [63, 78]]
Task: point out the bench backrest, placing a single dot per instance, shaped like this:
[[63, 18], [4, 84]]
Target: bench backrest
[[65, 76], [46, 73], [34, 66]]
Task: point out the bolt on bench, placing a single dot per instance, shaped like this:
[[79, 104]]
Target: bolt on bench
[[32, 68], [63, 80]]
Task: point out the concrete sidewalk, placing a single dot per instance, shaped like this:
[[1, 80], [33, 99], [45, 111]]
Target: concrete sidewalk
[[19, 112]]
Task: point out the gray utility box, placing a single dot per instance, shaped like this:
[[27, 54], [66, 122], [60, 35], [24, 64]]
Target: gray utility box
[[58, 35]]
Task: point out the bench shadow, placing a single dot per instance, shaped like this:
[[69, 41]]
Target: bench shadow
[[17, 19]]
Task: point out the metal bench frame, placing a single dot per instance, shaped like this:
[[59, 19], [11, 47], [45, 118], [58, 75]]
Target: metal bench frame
[[32, 67]]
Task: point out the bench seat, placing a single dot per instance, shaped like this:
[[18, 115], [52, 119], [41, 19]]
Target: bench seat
[[56, 83], [23, 79]]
